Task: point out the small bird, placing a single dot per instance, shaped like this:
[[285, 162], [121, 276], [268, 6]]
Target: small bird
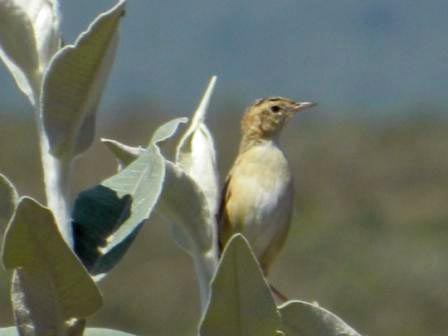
[[257, 198]]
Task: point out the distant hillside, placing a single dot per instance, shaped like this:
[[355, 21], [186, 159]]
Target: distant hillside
[[368, 239]]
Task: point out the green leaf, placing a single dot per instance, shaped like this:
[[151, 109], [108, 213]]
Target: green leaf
[[74, 82], [241, 303], [8, 202], [308, 319], [50, 285], [105, 332], [107, 218]]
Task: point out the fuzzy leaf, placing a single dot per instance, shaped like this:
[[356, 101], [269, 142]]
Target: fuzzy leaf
[[167, 130], [8, 202], [28, 38], [10, 331], [123, 153], [105, 332], [185, 205], [308, 319], [21, 58], [50, 286], [45, 17], [191, 194], [241, 303], [196, 154], [126, 154], [108, 217], [74, 82]]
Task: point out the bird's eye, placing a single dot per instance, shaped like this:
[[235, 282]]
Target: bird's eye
[[275, 108]]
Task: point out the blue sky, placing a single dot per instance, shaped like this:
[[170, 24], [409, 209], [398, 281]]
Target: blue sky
[[350, 55]]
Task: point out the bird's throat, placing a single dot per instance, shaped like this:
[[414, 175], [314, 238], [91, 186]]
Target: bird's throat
[[252, 139]]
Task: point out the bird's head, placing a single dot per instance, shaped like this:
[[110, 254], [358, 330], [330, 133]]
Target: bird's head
[[265, 118]]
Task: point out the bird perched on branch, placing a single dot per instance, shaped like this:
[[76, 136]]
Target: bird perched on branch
[[257, 199]]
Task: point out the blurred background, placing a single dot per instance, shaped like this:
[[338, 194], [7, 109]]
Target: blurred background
[[370, 231]]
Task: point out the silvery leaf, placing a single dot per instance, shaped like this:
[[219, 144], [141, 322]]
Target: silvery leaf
[[196, 153], [8, 202], [29, 37], [74, 82], [50, 286], [123, 153], [241, 303], [185, 206], [302, 318]]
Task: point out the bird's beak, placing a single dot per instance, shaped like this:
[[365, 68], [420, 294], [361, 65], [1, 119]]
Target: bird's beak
[[304, 105]]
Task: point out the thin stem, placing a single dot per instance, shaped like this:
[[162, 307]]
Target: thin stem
[[57, 176]]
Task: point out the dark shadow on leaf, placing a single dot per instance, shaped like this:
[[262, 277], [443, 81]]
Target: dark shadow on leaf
[[98, 213]]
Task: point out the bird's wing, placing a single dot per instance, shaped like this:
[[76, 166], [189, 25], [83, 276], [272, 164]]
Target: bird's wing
[[221, 217]]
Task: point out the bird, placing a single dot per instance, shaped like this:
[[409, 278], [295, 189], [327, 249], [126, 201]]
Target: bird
[[257, 197]]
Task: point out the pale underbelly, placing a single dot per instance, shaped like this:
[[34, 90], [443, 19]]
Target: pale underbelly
[[270, 220], [260, 201], [262, 216]]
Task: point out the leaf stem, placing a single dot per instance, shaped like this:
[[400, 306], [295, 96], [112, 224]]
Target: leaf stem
[[57, 176]]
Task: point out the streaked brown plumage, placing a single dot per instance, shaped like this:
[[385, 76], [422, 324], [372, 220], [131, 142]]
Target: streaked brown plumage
[[258, 193]]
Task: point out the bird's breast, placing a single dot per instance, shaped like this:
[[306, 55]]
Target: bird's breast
[[261, 195]]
